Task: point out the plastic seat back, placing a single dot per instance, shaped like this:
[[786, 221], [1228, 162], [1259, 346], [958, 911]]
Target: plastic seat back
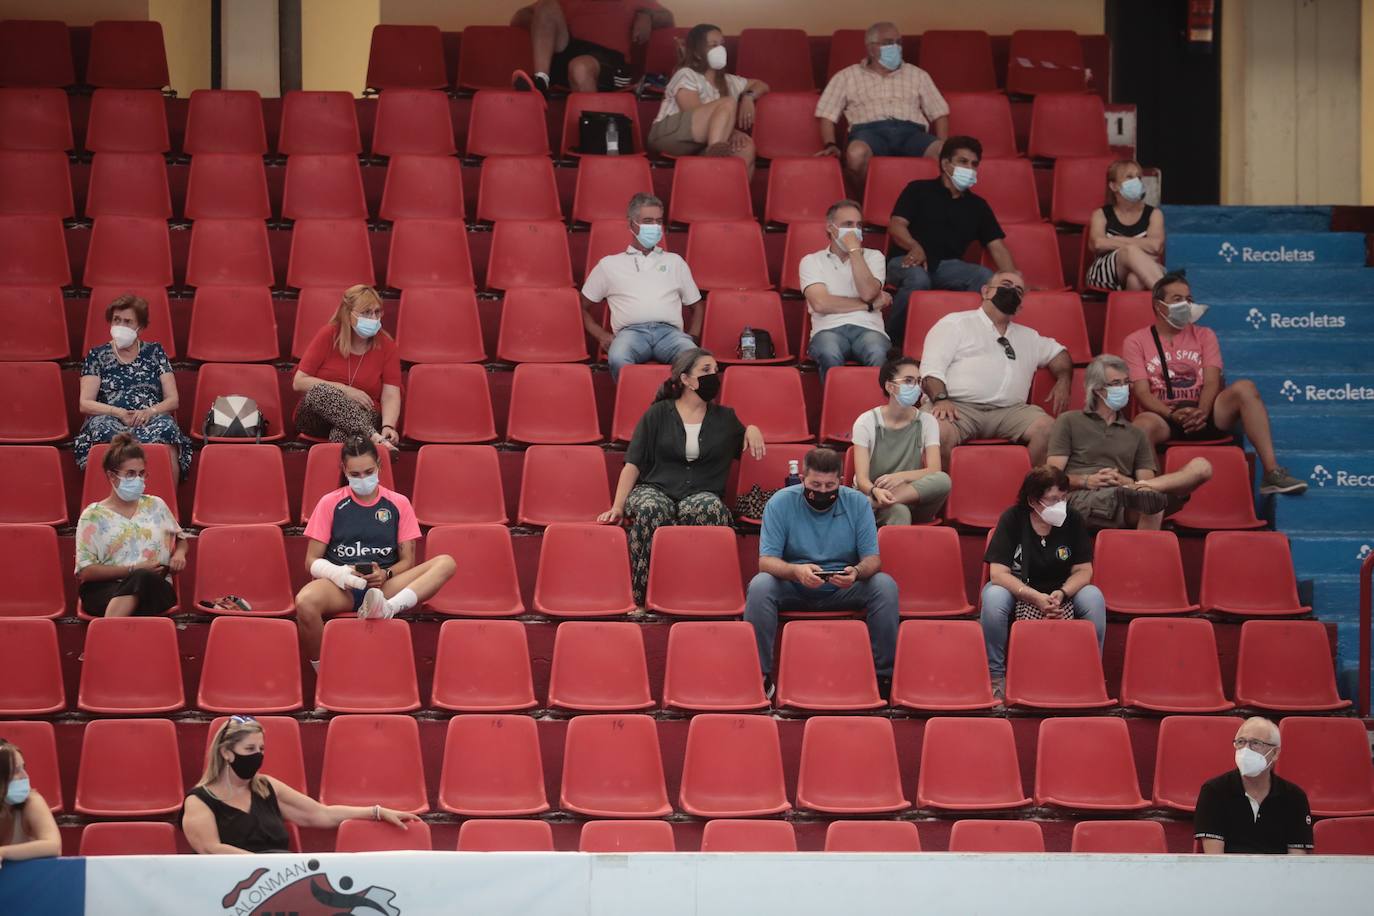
[[627, 836], [984, 480], [227, 186], [44, 333], [233, 324], [563, 483], [34, 495], [459, 485], [33, 251], [727, 255], [613, 102], [39, 592], [128, 838], [261, 383], [1036, 250], [1329, 757], [887, 177], [505, 835], [247, 560], [35, 53], [1286, 665], [330, 252], [1058, 315], [1008, 185], [35, 183], [1078, 187], [1127, 311], [872, 836], [129, 184], [154, 787], [1045, 60], [938, 666], [1141, 572], [1191, 750], [929, 306], [483, 666], [1344, 836], [429, 253], [1171, 666], [925, 562], [827, 666], [802, 189], [785, 126], [1086, 763], [1055, 664], [518, 188], [605, 182], [35, 119], [584, 571], [748, 836], [37, 687], [1249, 573], [129, 250], [506, 123], [324, 472], [730, 311], [958, 60], [679, 555], [323, 186], [406, 57], [486, 584], [634, 392], [779, 57], [801, 240], [318, 122], [130, 666], [422, 187], [969, 765], [240, 485], [846, 48], [769, 472], [849, 766], [599, 667], [394, 776], [39, 745], [553, 404], [127, 54], [1119, 837], [413, 122], [448, 403], [230, 252], [612, 768], [850, 391], [542, 326], [996, 836], [367, 666], [769, 397], [127, 121], [1226, 501], [1042, 386], [987, 116], [710, 188], [1067, 124], [529, 254], [712, 667], [250, 666], [490, 53], [360, 835], [157, 461], [225, 121], [492, 767]]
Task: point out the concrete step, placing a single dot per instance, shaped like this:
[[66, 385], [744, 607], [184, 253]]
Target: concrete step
[[1267, 284], [1326, 510], [1297, 427], [1247, 219], [1319, 322], [1340, 353], [1277, 249], [1320, 555]]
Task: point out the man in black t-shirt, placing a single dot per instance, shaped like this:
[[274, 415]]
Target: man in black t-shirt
[[933, 223], [1250, 809]]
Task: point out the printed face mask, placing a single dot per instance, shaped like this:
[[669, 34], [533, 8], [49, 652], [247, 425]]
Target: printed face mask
[[363, 486], [821, 501]]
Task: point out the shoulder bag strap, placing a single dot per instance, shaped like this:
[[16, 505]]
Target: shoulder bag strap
[[1163, 363]]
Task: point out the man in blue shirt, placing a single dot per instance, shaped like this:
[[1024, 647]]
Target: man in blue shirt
[[818, 551]]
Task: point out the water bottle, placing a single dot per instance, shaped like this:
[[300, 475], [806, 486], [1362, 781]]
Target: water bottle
[[793, 473], [612, 139], [746, 343]]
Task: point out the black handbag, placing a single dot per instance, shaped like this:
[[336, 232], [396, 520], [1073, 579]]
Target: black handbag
[[605, 133]]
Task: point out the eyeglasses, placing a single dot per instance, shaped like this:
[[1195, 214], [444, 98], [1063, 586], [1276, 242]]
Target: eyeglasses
[[907, 380], [370, 313], [1254, 744], [1007, 348], [243, 720], [1119, 383]]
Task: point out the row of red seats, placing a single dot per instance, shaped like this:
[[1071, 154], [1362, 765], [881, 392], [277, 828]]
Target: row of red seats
[[122, 54], [732, 767], [132, 667]]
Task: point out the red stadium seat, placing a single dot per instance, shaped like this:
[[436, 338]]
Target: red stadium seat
[[969, 765], [153, 787], [996, 836], [634, 392], [785, 126], [457, 485], [1036, 250], [1344, 836], [769, 472], [1285, 665], [1127, 311], [406, 57], [748, 836], [1068, 124], [161, 480], [367, 666], [130, 666], [612, 102], [710, 188], [661, 54], [35, 53], [827, 666], [128, 838], [1008, 185], [924, 560], [712, 666], [36, 687], [872, 836], [563, 483], [769, 397], [315, 306], [129, 184], [532, 254], [730, 311], [1190, 751], [331, 252], [422, 187], [1055, 664], [35, 119], [1141, 572], [248, 560], [230, 252], [504, 835], [606, 183], [1079, 185], [282, 735], [599, 667], [985, 479], [779, 57], [958, 60], [850, 391], [362, 835], [612, 768], [987, 116], [627, 836], [552, 404], [801, 240], [35, 183], [233, 324], [517, 188], [323, 187], [1249, 574], [413, 122], [584, 571], [225, 121], [506, 123], [240, 485], [439, 325], [486, 584], [39, 592], [802, 189], [941, 665], [849, 766], [250, 666], [393, 776], [254, 381], [33, 251], [127, 54], [1044, 60], [227, 186], [318, 123], [675, 563], [1227, 500], [448, 403], [1118, 837], [887, 177], [490, 53], [727, 255], [33, 494], [929, 306], [1042, 388], [846, 47], [129, 250], [1171, 666], [1329, 757], [39, 416], [429, 252], [127, 121], [1087, 764], [482, 666], [39, 746], [542, 326]]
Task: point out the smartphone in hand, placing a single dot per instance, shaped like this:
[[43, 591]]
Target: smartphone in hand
[[364, 569]]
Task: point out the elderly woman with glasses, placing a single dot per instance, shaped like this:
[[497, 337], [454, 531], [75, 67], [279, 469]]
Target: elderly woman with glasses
[[1250, 809]]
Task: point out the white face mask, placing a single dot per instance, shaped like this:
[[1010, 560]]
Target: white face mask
[[123, 336], [1055, 513], [1182, 314], [715, 58], [1250, 762], [842, 231]]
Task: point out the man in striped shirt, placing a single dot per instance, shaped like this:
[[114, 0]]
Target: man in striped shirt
[[893, 107]]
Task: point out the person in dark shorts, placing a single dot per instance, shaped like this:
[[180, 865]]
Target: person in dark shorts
[[585, 44], [1251, 809]]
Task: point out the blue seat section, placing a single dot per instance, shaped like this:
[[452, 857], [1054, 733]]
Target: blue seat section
[[1288, 250], [1247, 219], [1320, 322], [1265, 284]]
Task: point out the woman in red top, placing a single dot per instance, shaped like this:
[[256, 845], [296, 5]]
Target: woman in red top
[[350, 375]]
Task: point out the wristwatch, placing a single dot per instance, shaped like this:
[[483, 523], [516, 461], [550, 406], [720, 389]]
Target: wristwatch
[[942, 396]]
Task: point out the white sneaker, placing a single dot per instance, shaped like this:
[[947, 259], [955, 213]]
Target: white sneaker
[[374, 606]]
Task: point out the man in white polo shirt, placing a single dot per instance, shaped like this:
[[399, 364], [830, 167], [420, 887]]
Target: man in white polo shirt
[[977, 367], [843, 286], [646, 288]]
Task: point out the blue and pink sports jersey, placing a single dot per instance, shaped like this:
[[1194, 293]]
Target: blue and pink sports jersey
[[358, 532]]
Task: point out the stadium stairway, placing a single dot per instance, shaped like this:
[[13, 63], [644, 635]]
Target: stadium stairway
[[1293, 304]]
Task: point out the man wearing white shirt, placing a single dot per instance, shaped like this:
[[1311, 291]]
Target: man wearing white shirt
[[977, 368], [646, 288], [843, 286]]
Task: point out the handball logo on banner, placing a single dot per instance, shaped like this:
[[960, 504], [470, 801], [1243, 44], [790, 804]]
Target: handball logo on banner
[[1280, 255], [302, 890], [1290, 390], [1343, 478], [1365, 551], [1227, 252], [1256, 319], [1321, 475]]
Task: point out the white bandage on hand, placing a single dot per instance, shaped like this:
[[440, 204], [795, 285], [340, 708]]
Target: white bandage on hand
[[342, 576]]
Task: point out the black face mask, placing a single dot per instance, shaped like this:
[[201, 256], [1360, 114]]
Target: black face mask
[[708, 386], [1007, 299], [246, 766], [821, 501]]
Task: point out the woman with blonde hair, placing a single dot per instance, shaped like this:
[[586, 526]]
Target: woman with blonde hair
[[235, 809], [350, 375], [27, 828], [1126, 236]]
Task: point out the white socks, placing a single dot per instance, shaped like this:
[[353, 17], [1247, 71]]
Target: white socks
[[403, 600], [341, 576], [315, 663]]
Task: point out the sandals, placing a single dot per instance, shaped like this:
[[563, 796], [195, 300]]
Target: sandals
[[230, 603]]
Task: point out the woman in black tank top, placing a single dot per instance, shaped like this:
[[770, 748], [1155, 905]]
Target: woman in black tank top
[[1125, 237], [235, 809]]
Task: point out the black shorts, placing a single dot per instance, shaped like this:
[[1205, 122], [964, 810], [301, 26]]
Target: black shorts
[[610, 62], [154, 593], [1208, 432]]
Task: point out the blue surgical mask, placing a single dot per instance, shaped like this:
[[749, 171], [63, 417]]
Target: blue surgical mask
[[1133, 189], [649, 235], [129, 488], [964, 177], [1117, 397], [367, 327], [363, 486], [890, 56], [908, 395], [18, 791]]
